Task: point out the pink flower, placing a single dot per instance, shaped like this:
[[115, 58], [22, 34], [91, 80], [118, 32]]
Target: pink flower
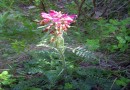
[[60, 22]]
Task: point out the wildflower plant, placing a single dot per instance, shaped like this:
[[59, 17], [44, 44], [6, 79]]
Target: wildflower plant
[[55, 24]]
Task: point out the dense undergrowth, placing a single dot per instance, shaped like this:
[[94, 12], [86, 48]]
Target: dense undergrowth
[[97, 46]]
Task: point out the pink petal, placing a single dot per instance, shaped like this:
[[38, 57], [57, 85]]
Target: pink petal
[[45, 15], [73, 16]]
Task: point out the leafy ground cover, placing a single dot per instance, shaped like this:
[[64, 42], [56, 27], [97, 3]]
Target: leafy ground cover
[[97, 46]]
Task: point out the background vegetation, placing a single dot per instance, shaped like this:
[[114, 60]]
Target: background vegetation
[[97, 46]]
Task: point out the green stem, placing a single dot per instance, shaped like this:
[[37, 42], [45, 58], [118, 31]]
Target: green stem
[[63, 62], [60, 47], [63, 59]]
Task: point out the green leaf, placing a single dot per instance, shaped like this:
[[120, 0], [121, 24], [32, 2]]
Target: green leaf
[[93, 44], [68, 86], [114, 22], [127, 38], [121, 40], [122, 81], [4, 73], [112, 28], [51, 75]]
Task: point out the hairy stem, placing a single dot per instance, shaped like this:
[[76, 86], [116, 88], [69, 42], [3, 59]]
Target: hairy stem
[[62, 58], [60, 48]]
